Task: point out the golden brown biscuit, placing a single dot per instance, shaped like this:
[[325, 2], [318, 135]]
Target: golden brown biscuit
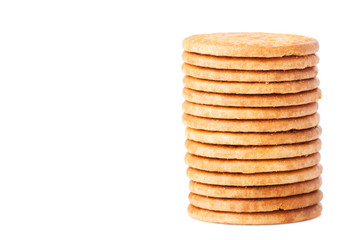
[[248, 75], [273, 191], [229, 138], [281, 63], [233, 125], [259, 218], [251, 44], [256, 205], [251, 166], [244, 100], [250, 87], [253, 152], [255, 179], [222, 112]]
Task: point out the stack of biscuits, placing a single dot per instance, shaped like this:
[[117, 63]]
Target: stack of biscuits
[[252, 127]]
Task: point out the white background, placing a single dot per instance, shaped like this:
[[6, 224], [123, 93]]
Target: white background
[[91, 139]]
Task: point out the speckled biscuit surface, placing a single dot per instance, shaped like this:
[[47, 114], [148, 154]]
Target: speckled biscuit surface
[[222, 112], [258, 218], [231, 125], [281, 63], [255, 179], [252, 152], [249, 76], [239, 100], [256, 205], [229, 138], [273, 191], [250, 87], [251, 166], [251, 44]]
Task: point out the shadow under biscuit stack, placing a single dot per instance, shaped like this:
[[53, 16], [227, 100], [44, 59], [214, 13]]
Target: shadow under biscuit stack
[[252, 127]]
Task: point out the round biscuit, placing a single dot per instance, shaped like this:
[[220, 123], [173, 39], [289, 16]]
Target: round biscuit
[[273, 191], [256, 205], [253, 152], [244, 100], [253, 139], [223, 112], [249, 75], [251, 166], [251, 44], [259, 218], [255, 179], [281, 63], [250, 87], [237, 125]]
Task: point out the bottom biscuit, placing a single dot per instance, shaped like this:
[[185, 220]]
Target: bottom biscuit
[[261, 218]]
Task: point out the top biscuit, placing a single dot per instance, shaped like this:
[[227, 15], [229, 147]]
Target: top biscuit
[[264, 45]]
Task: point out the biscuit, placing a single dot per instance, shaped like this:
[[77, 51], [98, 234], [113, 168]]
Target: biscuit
[[247, 44], [239, 100], [248, 75], [250, 87], [281, 63], [223, 112], [273, 191], [251, 166], [257, 218], [252, 152], [255, 179], [256, 205], [229, 138], [232, 125]]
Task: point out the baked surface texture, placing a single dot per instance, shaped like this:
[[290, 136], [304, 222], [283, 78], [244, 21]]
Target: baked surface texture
[[253, 152], [254, 44], [259, 218], [256, 179], [245, 100], [281, 63], [249, 76], [266, 125], [223, 112], [256, 205], [250, 87], [272, 191], [229, 138], [251, 166]]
